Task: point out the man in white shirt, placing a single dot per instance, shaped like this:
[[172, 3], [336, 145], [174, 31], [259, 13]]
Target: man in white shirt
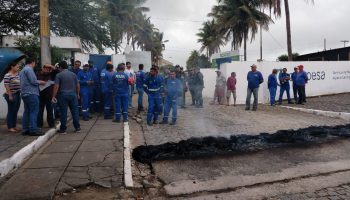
[[131, 74]]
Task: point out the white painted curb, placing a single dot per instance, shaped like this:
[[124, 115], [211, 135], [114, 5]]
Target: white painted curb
[[127, 158], [9, 164], [341, 115]]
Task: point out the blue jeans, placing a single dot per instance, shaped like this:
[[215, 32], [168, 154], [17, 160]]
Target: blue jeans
[[154, 107], [70, 100], [12, 109], [131, 93], [170, 103], [272, 95], [30, 115], [284, 88], [121, 105], [140, 99]]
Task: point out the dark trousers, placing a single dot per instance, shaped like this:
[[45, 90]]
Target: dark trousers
[[95, 100], [12, 109], [282, 89], [193, 93], [65, 101], [301, 94], [45, 102], [198, 96], [295, 93]]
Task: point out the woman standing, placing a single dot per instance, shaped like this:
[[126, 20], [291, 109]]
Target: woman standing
[[12, 96]]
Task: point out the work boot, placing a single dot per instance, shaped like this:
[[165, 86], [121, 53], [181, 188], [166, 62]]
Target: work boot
[[149, 124], [164, 122], [116, 121], [85, 119], [172, 123]]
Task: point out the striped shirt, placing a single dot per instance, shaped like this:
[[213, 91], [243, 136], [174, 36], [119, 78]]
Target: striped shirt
[[13, 82]]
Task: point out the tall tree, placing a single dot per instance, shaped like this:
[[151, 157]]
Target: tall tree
[[275, 6], [238, 18], [210, 37]]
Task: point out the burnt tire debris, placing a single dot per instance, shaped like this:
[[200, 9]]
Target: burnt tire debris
[[235, 144]]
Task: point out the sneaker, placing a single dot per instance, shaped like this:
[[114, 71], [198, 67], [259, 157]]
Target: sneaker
[[62, 132], [78, 130]]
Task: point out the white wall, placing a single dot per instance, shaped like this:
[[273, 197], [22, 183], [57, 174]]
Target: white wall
[[325, 77], [118, 58], [83, 57], [140, 57]]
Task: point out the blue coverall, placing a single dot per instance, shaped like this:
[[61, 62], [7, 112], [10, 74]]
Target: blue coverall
[[284, 86], [173, 90], [85, 91], [121, 90], [153, 86], [95, 103], [107, 90], [272, 85], [140, 76]]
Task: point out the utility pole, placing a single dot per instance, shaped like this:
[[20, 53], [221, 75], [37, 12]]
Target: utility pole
[[345, 41], [44, 33]]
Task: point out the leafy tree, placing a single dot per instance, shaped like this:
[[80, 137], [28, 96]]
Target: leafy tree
[[197, 60], [210, 38], [284, 57], [239, 18], [30, 46], [67, 18], [275, 7]]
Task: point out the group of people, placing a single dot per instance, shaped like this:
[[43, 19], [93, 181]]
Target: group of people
[[255, 79], [89, 89], [299, 79]]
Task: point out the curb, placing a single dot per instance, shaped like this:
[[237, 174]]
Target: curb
[[340, 115], [127, 158], [12, 163]]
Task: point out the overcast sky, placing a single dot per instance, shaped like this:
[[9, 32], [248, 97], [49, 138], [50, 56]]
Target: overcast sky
[[180, 20]]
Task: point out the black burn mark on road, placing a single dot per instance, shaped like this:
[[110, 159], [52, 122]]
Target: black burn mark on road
[[211, 146]]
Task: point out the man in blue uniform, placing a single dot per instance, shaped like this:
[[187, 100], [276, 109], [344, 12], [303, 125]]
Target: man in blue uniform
[[272, 85], [121, 90], [95, 104], [107, 89], [76, 68], [284, 79], [173, 90], [254, 79], [295, 88], [86, 85], [153, 86], [140, 76], [301, 80]]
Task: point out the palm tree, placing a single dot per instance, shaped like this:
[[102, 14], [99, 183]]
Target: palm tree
[[123, 16], [210, 38], [238, 18], [275, 6]]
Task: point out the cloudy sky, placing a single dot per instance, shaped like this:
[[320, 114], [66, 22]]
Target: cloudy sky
[[180, 20]]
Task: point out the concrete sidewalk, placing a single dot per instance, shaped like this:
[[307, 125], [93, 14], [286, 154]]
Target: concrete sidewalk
[[94, 156]]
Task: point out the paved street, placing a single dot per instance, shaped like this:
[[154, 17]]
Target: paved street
[[71, 161]]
